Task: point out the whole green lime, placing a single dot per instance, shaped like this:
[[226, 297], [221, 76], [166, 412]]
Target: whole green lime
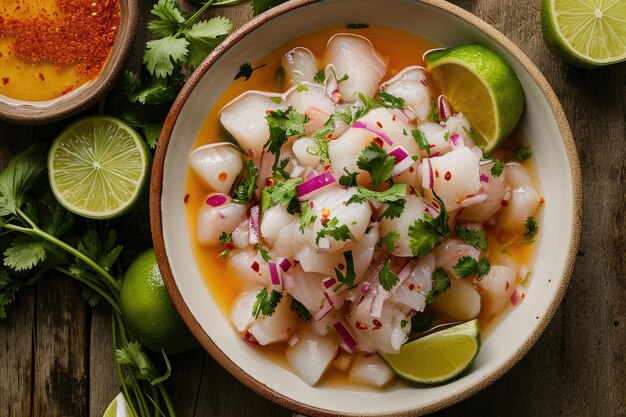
[[148, 311]]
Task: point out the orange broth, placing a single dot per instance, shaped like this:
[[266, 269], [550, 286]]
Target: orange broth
[[402, 49]]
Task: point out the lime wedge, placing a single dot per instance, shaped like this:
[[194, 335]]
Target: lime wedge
[[97, 167], [118, 408], [589, 34], [483, 86], [437, 357]]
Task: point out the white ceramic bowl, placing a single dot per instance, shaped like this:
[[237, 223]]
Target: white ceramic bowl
[[543, 122]]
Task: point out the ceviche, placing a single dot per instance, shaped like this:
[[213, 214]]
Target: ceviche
[[354, 209]]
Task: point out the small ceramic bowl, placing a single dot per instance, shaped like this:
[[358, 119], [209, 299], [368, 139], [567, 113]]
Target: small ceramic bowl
[[558, 170], [35, 113]]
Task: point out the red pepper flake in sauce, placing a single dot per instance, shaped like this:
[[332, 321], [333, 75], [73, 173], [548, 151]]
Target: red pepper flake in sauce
[[504, 203], [393, 117], [255, 266], [411, 287], [377, 324], [186, 198], [229, 246], [1, 55], [431, 145], [542, 201], [506, 287], [42, 77], [379, 124], [5, 80], [411, 170], [436, 173], [378, 141], [269, 182], [341, 266], [223, 176], [360, 325], [448, 176]]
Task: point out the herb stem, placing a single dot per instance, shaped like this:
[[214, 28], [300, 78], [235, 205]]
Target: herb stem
[[91, 285], [194, 17], [34, 230], [118, 367], [167, 400]]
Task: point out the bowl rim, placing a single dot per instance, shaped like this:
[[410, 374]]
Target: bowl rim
[[156, 188], [91, 94]]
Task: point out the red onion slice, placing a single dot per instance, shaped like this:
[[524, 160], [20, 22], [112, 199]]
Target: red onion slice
[[326, 308], [484, 178], [285, 264], [428, 177], [277, 282], [320, 181], [399, 153], [516, 297], [329, 282], [456, 141], [346, 337], [216, 200], [254, 225], [374, 129], [444, 107]]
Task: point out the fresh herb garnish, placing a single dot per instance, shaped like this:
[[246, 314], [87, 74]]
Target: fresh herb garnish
[[246, 70], [357, 26], [365, 106], [387, 278], [320, 77], [394, 197], [446, 135], [403, 323], [468, 266], [265, 254], [426, 234], [388, 241], [245, 184], [226, 240], [497, 168], [347, 279], [348, 180], [319, 149], [531, 228], [300, 310], [375, 160], [421, 140], [390, 101], [266, 303], [522, 153], [330, 229], [345, 77], [301, 87], [283, 194], [476, 238], [307, 216], [441, 282], [433, 117], [282, 125]]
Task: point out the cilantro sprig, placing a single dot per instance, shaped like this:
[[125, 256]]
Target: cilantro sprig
[[245, 184], [283, 194], [425, 234], [531, 228], [348, 278], [388, 241], [283, 124], [395, 197], [468, 266], [476, 238], [266, 303], [387, 278], [441, 282], [377, 162], [333, 230]]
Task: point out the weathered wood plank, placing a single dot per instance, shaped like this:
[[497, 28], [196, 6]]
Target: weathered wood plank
[[103, 381]]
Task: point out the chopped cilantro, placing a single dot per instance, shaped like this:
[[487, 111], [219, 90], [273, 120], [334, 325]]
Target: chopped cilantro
[[365, 106], [307, 216], [441, 282], [426, 234], [387, 278], [388, 241], [320, 77], [245, 184], [522, 153], [330, 229], [375, 160], [421, 322], [476, 238], [390, 101], [246, 70], [348, 180], [344, 114], [347, 279], [265, 303], [421, 140], [265, 254], [301, 87], [403, 323], [276, 99], [281, 193], [446, 135], [345, 77], [497, 168], [394, 197], [319, 149], [531, 228], [433, 117], [300, 310], [283, 124], [468, 266], [226, 240]]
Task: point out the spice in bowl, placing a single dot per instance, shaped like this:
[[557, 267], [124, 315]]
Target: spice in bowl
[[49, 48]]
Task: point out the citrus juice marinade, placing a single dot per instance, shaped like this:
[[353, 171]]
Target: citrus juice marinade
[[402, 49]]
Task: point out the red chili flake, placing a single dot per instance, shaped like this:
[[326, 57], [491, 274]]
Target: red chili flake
[[268, 112], [431, 145], [435, 204], [436, 173], [360, 325], [223, 176], [448, 176], [229, 246], [341, 266], [377, 324], [42, 77], [411, 287], [504, 203], [324, 220], [5, 80], [393, 118], [379, 124], [411, 170], [67, 89], [506, 287], [378, 141], [269, 182], [255, 266], [186, 198], [542, 201]]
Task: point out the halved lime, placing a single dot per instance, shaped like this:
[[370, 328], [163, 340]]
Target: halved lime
[[589, 34], [483, 86], [437, 357], [118, 408], [98, 166]]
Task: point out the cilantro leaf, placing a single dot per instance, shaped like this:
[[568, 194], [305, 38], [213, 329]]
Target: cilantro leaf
[[161, 55], [394, 197], [433, 117], [169, 19], [265, 254], [390, 101], [245, 184], [375, 160], [265, 303], [259, 6], [421, 140], [522, 153], [226, 240], [21, 174], [133, 355], [497, 168], [347, 279], [531, 228], [157, 91], [307, 216], [301, 87], [281, 193], [330, 229], [387, 278], [246, 70], [319, 149], [348, 180], [320, 77], [426, 234], [24, 253], [300, 310], [388, 241], [365, 106], [468, 266], [204, 36], [476, 238], [282, 125], [441, 282]]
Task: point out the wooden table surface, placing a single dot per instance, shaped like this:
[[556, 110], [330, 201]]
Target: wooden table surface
[[56, 354]]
